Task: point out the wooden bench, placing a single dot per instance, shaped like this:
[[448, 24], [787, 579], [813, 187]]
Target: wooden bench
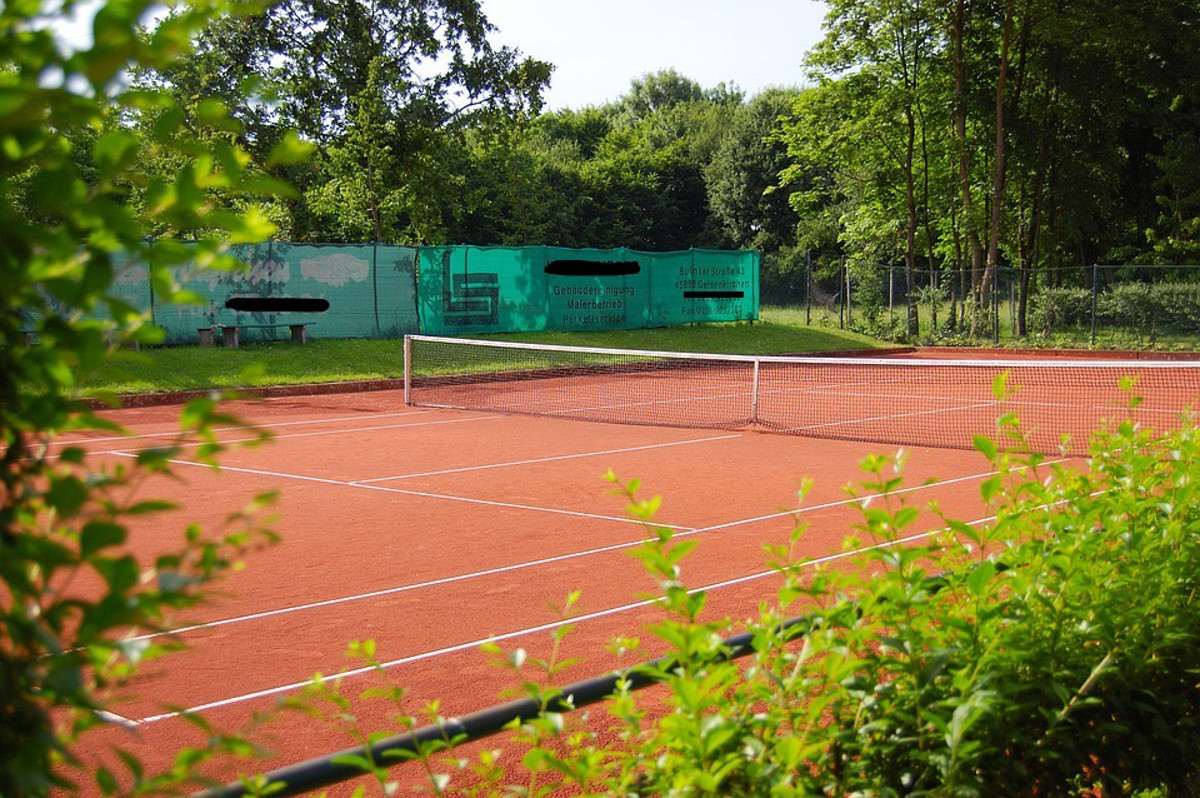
[[231, 333]]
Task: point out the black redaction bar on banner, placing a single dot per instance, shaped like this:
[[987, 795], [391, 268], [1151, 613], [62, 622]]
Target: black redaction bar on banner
[[903, 401]]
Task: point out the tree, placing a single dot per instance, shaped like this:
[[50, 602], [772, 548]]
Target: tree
[[743, 176], [378, 85], [656, 91], [884, 52], [1034, 133]]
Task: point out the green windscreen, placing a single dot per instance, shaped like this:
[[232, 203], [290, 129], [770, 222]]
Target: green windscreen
[[376, 291], [342, 291], [466, 289], [130, 286]]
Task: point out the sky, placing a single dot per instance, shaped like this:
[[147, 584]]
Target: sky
[[599, 46]]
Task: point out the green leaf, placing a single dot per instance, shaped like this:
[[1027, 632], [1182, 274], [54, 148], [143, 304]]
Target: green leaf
[[1000, 386], [114, 152], [99, 535], [215, 114], [291, 149], [106, 781], [120, 574], [150, 506], [986, 446], [355, 761], [67, 495], [990, 487], [980, 577], [168, 124]]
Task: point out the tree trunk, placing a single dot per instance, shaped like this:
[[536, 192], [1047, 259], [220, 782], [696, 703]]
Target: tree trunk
[[958, 31], [910, 227], [956, 270], [373, 200], [1031, 249], [998, 174]]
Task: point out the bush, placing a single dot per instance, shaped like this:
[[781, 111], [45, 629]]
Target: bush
[[1179, 304], [1148, 308], [1059, 308]]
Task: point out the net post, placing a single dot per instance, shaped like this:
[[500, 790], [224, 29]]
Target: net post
[[407, 370], [754, 395]]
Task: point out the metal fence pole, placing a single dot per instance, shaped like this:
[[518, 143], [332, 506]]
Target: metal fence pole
[[1095, 295], [996, 311], [842, 295], [1012, 307], [808, 287], [849, 305], [892, 299]]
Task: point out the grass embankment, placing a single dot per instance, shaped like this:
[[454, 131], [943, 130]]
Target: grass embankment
[[283, 363]]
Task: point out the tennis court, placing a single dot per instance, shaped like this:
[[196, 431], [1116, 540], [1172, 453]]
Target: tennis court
[[432, 529]]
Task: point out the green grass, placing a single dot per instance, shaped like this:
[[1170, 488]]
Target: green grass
[[283, 363]]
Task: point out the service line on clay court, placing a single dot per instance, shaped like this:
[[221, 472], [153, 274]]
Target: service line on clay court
[[679, 533], [572, 621]]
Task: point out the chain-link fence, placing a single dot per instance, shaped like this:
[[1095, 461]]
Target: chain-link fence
[[1099, 306]]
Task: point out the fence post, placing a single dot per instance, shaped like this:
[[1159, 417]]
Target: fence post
[[849, 304], [808, 287], [842, 295], [1012, 305], [996, 311], [892, 299], [1095, 294]]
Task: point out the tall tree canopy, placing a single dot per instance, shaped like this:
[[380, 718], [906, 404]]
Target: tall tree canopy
[[971, 134], [378, 85]]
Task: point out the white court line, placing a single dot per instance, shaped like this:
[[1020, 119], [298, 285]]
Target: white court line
[[889, 417], [268, 426], [405, 492], [548, 560], [112, 717], [577, 456], [473, 644], [349, 431]]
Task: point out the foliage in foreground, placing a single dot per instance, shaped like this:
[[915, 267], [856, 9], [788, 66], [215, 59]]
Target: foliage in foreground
[[74, 591], [1048, 650]]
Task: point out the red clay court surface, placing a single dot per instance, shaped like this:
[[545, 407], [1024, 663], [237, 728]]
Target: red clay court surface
[[433, 531]]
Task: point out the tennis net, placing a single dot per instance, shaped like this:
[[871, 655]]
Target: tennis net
[[905, 401]]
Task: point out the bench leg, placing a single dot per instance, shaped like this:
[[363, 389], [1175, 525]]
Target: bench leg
[[299, 333], [230, 334], [206, 336]]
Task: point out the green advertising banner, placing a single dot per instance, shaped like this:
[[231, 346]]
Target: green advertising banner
[[465, 289], [377, 291], [341, 291]]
